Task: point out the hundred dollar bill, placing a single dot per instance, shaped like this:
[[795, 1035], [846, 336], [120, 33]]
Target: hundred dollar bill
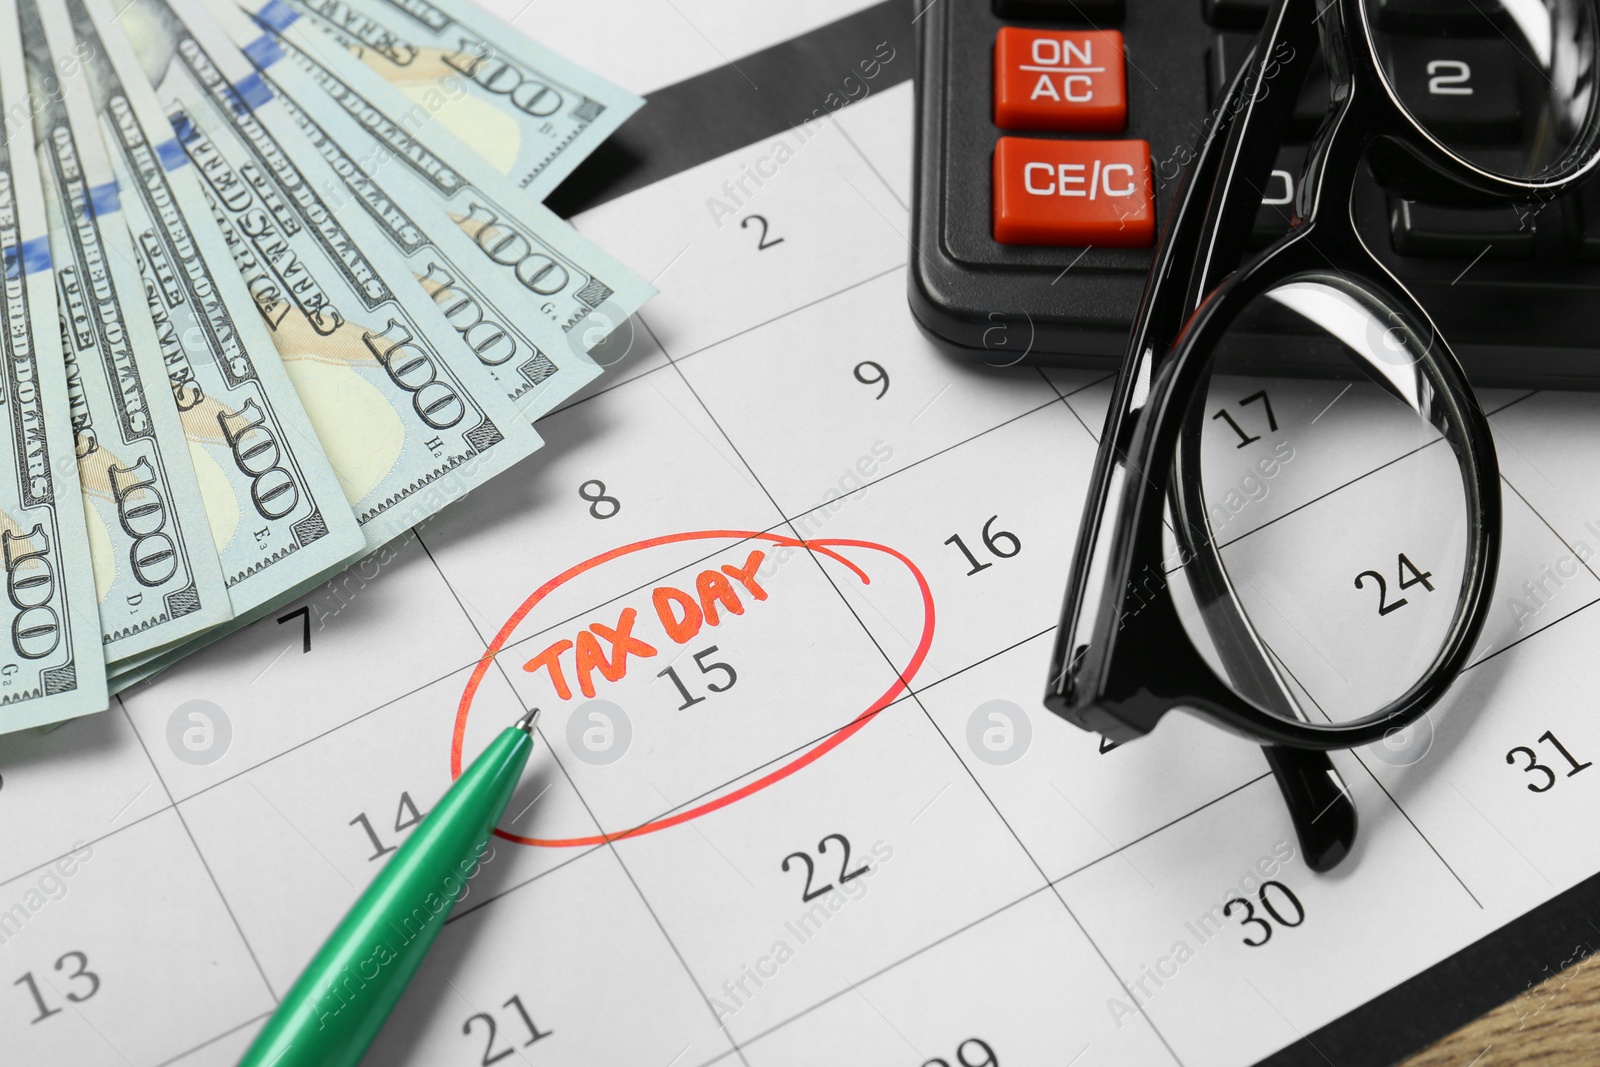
[[532, 115], [132, 672], [407, 415], [155, 567], [581, 289], [501, 320], [52, 666], [276, 511]]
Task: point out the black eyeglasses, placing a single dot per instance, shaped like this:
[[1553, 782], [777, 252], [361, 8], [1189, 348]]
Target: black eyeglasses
[[1293, 526]]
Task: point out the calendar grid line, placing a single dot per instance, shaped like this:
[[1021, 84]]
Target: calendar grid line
[[920, 689], [611, 848], [325, 733], [886, 968], [213, 1039], [210, 874], [568, 405], [539, 729], [78, 1013], [1050, 884], [995, 808], [1366, 474], [1051, 383], [1037, 369], [577, 854], [1565, 543], [221, 896], [578, 401], [1529, 395], [781, 758], [718, 1058], [788, 518], [1323, 496], [676, 951], [1164, 826], [609, 845], [876, 173], [1425, 838], [929, 718], [1055, 890], [1540, 516], [905, 234], [1356, 755], [1528, 637], [873, 167], [788, 313], [1077, 415], [1550, 626], [90, 843]]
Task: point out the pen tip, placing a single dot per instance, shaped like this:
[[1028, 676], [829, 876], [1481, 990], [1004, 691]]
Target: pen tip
[[527, 722]]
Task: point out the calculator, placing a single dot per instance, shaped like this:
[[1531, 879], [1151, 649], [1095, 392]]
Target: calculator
[[1098, 104]]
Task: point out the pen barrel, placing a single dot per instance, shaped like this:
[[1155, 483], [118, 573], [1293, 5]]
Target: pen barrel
[[340, 1001]]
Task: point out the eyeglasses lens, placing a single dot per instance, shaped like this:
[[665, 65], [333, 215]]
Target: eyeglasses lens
[[1507, 84], [1328, 491]]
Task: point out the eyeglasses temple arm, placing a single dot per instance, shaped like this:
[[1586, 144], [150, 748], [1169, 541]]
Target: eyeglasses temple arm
[[1320, 806], [1259, 106]]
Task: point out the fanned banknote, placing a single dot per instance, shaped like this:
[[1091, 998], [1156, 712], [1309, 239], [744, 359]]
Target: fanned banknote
[[530, 113], [155, 567], [287, 329], [503, 322], [583, 291], [51, 663], [409, 418], [276, 511]]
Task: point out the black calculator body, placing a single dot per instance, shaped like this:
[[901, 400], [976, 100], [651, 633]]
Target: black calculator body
[[1515, 289]]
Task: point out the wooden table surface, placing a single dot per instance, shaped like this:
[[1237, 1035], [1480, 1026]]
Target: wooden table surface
[[1554, 1024]]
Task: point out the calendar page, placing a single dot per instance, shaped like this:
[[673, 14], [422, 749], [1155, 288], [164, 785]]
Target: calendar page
[[784, 583]]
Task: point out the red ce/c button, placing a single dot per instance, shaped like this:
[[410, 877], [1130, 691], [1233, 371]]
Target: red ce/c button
[[1073, 193]]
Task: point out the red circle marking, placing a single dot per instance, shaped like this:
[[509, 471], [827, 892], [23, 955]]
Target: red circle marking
[[811, 755]]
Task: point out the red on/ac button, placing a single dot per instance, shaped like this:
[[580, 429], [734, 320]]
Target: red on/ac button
[[1050, 80], [1073, 193]]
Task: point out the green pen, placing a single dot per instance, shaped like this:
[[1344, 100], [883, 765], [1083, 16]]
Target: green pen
[[341, 1000]]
